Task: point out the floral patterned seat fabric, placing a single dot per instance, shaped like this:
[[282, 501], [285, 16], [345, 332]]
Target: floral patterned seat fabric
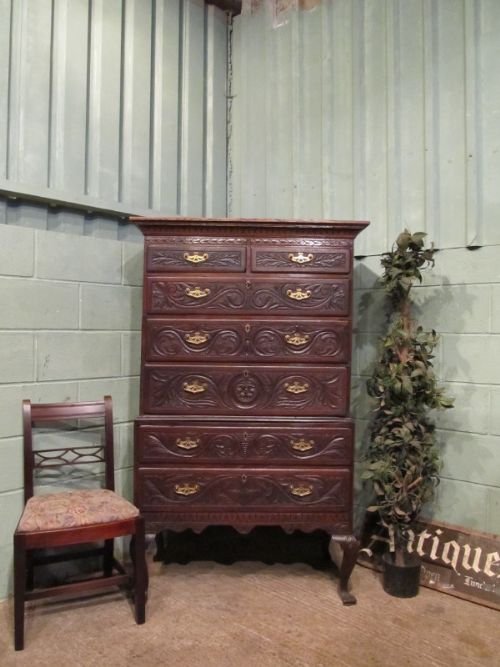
[[72, 509]]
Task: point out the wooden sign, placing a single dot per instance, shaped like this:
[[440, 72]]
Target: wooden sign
[[454, 560]]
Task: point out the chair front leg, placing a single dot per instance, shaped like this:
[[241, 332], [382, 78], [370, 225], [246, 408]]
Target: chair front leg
[[140, 570], [19, 590]]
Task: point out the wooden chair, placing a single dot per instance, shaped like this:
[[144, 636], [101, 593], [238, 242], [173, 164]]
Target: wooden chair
[[73, 517]]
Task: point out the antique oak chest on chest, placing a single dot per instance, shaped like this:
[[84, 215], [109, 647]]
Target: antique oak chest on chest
[[245, 375]]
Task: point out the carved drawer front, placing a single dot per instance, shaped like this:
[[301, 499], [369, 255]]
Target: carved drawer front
[[302, 259], [194, 258], [237, 389], [193, 339], [231, 488], [272, 296], [300, 444]]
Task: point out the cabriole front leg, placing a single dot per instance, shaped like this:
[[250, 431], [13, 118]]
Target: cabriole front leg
[[350, 548]]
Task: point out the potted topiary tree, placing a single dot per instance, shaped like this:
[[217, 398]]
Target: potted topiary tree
[[402, 460]]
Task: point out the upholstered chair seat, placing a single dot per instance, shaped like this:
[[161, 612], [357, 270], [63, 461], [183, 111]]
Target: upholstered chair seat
[[72, 509]]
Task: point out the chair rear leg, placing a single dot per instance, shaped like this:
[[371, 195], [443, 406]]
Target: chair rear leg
[[19, 591], [30, 571], [140, 570], [108, 557]]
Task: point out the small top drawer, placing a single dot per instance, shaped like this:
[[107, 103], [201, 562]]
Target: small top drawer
[[167, 258], [303, 259]]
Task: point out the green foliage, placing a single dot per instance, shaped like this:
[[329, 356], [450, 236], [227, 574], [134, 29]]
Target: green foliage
[[403, 265], [402, 461]]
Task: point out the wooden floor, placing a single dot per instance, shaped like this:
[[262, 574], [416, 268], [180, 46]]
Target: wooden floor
[[249, 613]]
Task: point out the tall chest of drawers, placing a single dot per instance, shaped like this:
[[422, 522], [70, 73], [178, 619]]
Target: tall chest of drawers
[[245, 374]]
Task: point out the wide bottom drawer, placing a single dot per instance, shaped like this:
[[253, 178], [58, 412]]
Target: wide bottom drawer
[[225, 489], [297, 444]]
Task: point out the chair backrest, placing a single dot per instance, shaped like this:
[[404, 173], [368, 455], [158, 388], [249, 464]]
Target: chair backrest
[[56, 414]]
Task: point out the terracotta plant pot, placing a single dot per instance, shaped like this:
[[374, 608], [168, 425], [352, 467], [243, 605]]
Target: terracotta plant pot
[[401, 580]]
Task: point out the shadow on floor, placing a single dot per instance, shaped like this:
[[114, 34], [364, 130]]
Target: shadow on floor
[[225, 545]]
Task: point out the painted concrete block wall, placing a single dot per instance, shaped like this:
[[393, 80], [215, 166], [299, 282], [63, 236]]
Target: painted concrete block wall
[[70, 309], [388, 111]]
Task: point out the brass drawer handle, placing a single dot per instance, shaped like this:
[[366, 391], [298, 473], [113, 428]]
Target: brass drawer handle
[[302, 445], [187, 443], [301, 258], [195, 387], [195, 257], [301, 491], [296, 339], [197, 292], [299, 294], [296, 387], [197, 337], [187, 489]]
